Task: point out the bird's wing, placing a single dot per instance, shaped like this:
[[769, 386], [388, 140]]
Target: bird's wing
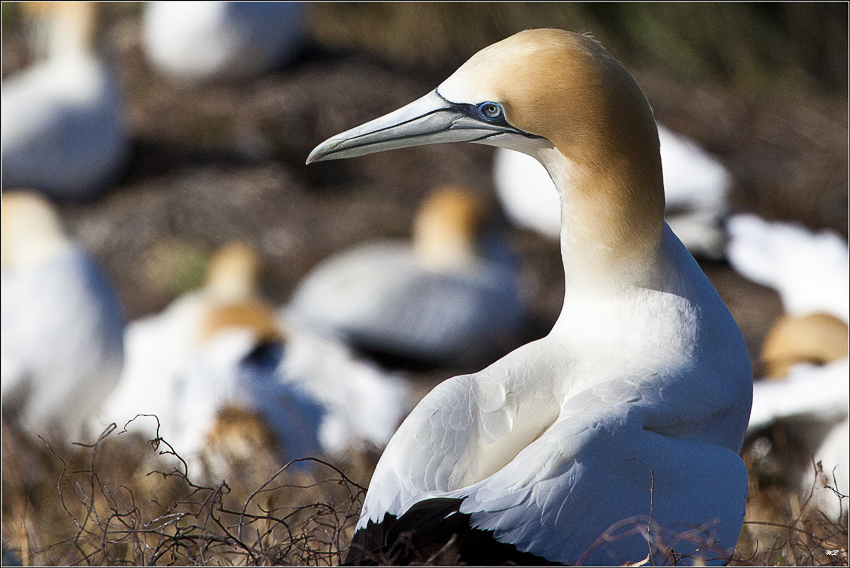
[[464, 430], [543, 491], [599, 474]]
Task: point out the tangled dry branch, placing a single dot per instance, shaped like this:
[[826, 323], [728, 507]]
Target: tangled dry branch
[[302, 514]]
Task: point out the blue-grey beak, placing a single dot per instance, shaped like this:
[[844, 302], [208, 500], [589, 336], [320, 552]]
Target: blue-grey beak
[[428, 120]]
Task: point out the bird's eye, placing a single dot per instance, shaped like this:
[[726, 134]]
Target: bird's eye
[[491, 111]]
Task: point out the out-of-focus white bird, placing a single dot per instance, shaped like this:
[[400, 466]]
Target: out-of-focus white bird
[[62, 326], [449, 297], [695, 188], [218, 359], [811, 401], [807, 393], [809, 270], [159, 347], [312, 396], [233, 371], [362, 404], [806, 350], [204, 41], [62, 126]]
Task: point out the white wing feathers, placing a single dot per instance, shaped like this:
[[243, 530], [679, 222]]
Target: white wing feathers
[[449, 440], [544, 455], [598, 456]]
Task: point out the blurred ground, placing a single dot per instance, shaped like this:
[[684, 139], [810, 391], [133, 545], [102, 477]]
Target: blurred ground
[[764, 87]]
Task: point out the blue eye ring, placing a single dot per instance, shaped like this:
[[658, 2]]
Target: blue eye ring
[[491, 112]]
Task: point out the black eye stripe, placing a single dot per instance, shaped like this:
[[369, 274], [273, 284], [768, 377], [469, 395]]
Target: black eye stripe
[[474, 111]]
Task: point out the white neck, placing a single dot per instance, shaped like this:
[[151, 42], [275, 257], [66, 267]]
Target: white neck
[[605, 245]]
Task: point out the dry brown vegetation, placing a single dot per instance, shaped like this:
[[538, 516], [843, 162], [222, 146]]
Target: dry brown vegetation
[[124, 500], [127, 501]]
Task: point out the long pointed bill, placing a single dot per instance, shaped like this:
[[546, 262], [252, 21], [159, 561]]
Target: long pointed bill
[[429, 120]]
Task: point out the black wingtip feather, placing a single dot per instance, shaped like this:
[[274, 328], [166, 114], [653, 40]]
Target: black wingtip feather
[[435, 532]]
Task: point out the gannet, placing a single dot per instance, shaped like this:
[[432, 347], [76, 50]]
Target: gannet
[[811, 402], [62, 325], [309, 394], [805, 351], [633, 409], [233, 369], [313, 393], [449, 297], [696, 185], [207, 41], [222, 349], [159, 346], [62, 125]]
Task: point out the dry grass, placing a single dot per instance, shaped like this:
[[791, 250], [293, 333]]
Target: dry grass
[[782, 526], [123, 500], [808, 539]]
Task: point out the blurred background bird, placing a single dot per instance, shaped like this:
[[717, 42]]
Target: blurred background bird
[[177, 162], [219, 359], [804, 357], [62, 323], [448, 296], [63, 127], [207, 41]]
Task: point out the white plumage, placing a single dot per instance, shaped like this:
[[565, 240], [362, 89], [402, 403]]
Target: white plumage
[[812, 403], [558, 420], [809, 270], [449, 297], [222, 347], [807, 393], [62, 125], [157, 348], [362, 404], [636, 404], [695, 187], [205, 41], [62, 325], [312, 394]]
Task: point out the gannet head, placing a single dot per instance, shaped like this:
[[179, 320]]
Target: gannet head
[[31, 230], [253, 317], [535, 89], [446, 226], [561, 98], [232, 272], [232, 285], [64, 28], [817, 338]]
